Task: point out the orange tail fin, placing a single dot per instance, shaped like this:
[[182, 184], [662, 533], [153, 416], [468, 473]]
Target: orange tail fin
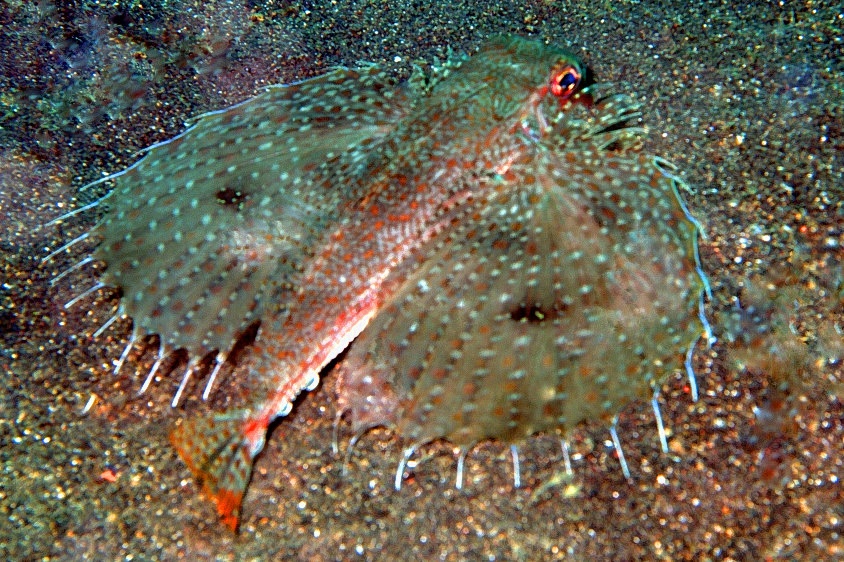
[[220, 450]]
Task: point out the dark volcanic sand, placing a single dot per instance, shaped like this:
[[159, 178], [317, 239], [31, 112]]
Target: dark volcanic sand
[[746, 100]]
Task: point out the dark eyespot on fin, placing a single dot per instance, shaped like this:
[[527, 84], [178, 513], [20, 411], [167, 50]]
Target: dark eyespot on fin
[[535, 313], [231, 197]]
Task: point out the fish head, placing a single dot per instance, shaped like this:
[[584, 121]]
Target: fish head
[[520, 84]]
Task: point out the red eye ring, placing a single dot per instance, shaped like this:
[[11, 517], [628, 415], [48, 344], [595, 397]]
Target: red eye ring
[[564, 82]]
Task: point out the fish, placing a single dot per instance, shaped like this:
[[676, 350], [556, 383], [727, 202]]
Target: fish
[[488, 242]]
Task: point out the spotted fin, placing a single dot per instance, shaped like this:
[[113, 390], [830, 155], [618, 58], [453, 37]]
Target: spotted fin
[[219, 450], [211, 228], [556, 294]]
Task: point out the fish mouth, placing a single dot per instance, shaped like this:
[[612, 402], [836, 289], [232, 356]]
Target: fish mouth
[[532, 129], [596, 115], [548, 116]]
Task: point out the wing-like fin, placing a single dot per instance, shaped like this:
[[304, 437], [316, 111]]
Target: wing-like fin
[[210, 229], [548, 300]]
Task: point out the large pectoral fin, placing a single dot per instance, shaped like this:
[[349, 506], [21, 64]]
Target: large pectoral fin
[[543, 303]]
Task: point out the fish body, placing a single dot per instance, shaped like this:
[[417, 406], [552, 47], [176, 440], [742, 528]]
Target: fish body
[[495, 246]]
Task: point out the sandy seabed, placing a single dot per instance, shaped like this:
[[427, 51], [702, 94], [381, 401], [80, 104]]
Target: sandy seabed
[[747, 99]]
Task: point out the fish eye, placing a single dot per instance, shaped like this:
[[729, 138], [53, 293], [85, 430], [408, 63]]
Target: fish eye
[[564, 81]]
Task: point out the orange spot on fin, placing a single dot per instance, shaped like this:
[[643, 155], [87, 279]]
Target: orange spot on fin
[[220, 452]]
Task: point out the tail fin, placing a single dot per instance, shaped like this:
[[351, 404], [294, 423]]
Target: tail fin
[[220, 450]]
